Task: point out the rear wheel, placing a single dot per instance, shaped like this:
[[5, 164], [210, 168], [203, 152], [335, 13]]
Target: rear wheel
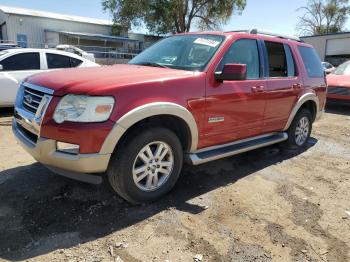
[[300, 130], [146, 166]]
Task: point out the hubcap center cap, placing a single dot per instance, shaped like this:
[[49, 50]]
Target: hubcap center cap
[[153, 165]]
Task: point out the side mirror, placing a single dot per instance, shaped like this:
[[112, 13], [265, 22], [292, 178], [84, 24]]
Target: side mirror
[[232, 72], [1, 68]]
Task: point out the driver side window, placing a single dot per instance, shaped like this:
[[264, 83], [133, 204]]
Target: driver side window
[[243, 51]]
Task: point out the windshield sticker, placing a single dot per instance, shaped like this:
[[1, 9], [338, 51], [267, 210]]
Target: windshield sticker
[[207, 42]]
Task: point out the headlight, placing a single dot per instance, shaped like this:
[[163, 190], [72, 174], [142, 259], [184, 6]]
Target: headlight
[[79, 108]]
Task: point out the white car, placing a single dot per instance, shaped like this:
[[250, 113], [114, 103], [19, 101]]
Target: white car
[[17, 64], [77, 51]]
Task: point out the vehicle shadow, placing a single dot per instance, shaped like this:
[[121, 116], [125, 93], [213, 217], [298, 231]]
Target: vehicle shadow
[[6, 112], [6, 115], [41, 212], [334, 108]]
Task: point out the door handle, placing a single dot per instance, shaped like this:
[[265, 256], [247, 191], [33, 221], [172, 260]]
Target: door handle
[[297, 86], [258, 89]]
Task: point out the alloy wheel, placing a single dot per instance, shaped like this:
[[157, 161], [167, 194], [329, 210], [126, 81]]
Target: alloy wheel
[[302, 131], [153, 166]]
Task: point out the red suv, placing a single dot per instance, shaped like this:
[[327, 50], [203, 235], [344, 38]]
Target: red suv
[[193, 97]]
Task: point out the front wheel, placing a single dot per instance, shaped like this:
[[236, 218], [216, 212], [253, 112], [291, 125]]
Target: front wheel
[[146, 165], [300, 130]]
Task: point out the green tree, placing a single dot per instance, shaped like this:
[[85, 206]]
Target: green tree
[[164, 16], [323, 16]]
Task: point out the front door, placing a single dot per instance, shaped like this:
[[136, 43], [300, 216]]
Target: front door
[[235, 109]]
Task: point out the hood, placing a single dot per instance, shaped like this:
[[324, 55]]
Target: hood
[[338, 80], [103, 79]]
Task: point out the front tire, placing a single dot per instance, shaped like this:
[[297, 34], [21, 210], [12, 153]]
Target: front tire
[[146, 165], [300, 130]]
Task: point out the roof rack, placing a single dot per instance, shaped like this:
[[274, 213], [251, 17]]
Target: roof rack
[[256, 32]]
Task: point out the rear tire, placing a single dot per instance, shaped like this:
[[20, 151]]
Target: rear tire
[[146, 165], [300, 130]]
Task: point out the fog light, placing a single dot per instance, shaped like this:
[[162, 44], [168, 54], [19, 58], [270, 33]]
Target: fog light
[[67, 148]]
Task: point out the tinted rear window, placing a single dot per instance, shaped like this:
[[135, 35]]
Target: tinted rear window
[[57, 61], [312, 61], [61, 61], [75, 62]]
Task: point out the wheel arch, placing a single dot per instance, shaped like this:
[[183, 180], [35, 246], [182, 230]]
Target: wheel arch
[[309, 101], [184, 124]]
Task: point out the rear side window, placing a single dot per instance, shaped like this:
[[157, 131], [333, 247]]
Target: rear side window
[[243, 51], [277, 59], [75, 62], [61, 61], [57, 61], [25, 61], [312, 61]]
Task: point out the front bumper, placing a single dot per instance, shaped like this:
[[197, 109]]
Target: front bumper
[[45, 152], [26, 127]]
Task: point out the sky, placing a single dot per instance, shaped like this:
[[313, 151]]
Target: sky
[[279, 16]]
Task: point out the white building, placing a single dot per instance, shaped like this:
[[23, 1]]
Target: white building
[[41, 29], [333, 48]]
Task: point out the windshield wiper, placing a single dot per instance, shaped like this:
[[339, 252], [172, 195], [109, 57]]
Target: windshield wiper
[[154, 64]]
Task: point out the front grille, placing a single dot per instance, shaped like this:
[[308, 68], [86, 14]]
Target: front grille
[[32, 99], [29, 135], [338, 90]]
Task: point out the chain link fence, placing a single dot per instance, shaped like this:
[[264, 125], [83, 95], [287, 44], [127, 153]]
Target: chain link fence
[[103, 54]]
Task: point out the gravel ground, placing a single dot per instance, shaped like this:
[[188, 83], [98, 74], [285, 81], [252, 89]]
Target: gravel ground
[[265, 205]]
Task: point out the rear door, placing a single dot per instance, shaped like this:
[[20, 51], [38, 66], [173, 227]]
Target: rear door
[[283, 84], [15, 69]]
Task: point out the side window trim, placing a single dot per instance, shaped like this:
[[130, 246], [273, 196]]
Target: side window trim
[[296, 71], [260, 55], [43, 62], [265, 59]]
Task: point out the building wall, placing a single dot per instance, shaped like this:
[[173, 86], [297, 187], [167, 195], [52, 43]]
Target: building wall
[[34, 27], [52, 39], [3, 19], [320, 43], [147, 40]]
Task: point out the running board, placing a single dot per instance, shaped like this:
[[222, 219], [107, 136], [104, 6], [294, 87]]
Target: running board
[[216, 152]]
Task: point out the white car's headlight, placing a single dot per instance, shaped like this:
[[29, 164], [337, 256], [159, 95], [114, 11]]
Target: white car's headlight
[[79, 108]]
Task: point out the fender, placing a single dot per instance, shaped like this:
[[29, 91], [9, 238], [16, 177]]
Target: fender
[[145, 111], [304, 98]]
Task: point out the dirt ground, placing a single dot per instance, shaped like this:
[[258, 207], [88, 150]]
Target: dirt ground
[[265, 205]]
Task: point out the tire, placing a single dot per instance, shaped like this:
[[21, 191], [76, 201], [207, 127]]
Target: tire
[[296, 141], [132, 161]]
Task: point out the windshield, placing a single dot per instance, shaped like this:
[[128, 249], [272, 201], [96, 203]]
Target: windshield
[[185, 52], [343, 69]]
